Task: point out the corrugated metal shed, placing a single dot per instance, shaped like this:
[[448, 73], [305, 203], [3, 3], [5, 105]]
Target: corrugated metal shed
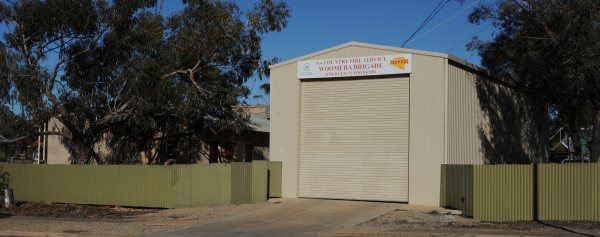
[[447, 123]]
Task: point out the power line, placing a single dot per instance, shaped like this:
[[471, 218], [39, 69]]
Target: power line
[[434, 12], [470, 37], [427, 20], [445, 21]]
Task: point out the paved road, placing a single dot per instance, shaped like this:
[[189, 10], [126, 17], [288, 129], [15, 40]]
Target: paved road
[[292, 217]]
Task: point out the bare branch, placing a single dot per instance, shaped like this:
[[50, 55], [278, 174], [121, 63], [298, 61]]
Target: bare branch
[[11, 140], [180, 71], [17, 139]]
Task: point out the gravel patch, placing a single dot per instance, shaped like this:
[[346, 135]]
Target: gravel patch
[[407, 219]]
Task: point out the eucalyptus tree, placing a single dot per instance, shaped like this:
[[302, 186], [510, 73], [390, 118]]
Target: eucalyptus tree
[[550, 50], [124, 74]]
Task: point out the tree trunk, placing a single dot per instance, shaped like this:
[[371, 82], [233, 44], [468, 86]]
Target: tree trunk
[[595, 143], [81, 149]]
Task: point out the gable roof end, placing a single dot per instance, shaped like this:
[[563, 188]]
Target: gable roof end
[[382, 47]]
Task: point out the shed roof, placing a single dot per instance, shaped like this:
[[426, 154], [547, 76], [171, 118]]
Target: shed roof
[[382, 47]]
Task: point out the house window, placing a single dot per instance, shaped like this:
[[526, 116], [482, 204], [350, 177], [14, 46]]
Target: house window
[[248, 151]]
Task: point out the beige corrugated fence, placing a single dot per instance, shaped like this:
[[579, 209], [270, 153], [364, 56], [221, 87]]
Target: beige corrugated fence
[[507, 192], [173, 186]]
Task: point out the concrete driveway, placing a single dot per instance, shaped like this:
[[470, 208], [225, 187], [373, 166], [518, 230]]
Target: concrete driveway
[[292, 217]]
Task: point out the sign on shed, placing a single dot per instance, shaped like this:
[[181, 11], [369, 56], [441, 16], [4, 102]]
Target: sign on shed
[[354, 67]]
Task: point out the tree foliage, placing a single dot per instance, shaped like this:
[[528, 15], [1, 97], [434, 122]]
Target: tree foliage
[[122, 73], [549, 49], [15, 133]]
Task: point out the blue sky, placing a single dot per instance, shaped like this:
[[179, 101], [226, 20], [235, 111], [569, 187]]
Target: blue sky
[[319, 24], [316, 25]]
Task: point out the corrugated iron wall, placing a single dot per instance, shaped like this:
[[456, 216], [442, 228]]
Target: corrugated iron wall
[[143, 186], [285, 124], [466, 119], [427, 129], [566, 192], [569, 192], [457, 188], [490, 123]]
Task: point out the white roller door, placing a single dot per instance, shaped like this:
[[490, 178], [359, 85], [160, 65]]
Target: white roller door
[[354, 136]]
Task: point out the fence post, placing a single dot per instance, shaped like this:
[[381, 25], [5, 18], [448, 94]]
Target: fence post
[[535, 193], [268, 179], [274, 179], [9, 200]]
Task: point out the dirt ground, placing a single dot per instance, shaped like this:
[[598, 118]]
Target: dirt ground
[[123, 221], [415, 220], [108, 220]]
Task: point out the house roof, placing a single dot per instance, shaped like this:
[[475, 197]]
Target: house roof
[[259, 122], [450, 57]]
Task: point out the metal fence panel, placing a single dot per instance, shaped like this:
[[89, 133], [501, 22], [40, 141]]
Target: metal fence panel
[[140, 185], [259, 181], [201, 185], [569, 192], [241, 183], [503, 192], [457, 188], [122, 185], [275, 178], [146, 186]]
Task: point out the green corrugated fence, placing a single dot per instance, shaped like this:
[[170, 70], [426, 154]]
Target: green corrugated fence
[[259, 182], [457, 188], [569, 192], [275, 179], [241, 187], [203, 185], [506, 192], [172, 186], [503, 192]]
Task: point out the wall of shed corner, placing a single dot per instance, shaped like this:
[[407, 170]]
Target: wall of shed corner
[[490, 123], [427, 127], [284, 125], [465, 118]]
